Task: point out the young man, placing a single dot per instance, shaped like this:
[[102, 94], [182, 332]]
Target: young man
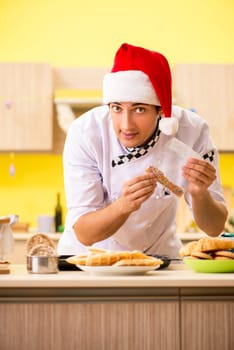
[[113, 202]]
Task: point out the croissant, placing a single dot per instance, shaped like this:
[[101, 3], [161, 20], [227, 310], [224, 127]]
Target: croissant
[[109, 258]]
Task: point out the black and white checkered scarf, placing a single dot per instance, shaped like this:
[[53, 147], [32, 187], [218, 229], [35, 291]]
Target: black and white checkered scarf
[[137, 152]]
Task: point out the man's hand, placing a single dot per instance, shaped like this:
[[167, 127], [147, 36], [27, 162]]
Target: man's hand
[[200, 175], [100, 224], [136, 191]]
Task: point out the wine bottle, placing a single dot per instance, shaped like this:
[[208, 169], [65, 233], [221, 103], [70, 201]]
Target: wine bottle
[[58, 214]]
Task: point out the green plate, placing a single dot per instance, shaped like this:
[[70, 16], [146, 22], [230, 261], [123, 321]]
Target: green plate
[[210, 266]]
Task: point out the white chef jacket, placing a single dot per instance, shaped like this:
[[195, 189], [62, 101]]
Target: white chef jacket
[[91, 183]]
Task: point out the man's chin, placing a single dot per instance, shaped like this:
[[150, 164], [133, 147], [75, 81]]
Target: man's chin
[[129, 144]]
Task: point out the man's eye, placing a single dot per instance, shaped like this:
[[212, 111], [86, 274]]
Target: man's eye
[[115, 108], [140, 109]]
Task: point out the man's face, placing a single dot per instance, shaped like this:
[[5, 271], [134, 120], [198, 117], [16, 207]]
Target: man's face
[[133, 123]]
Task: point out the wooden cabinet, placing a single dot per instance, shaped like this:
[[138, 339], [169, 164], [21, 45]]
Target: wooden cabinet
[[171, 309], [118, 323], [208, 88], [207, 324], [26, 108], [91, 325]]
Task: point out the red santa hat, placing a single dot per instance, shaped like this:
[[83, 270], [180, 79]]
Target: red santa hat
[[141, 75]]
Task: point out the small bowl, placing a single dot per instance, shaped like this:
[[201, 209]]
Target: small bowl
[[42, 264]]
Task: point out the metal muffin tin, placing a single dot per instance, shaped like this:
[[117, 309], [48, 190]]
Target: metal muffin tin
[[42, 264]]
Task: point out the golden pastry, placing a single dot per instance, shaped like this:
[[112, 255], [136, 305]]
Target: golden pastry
[[209, 248], [138, 262], [110, 257]]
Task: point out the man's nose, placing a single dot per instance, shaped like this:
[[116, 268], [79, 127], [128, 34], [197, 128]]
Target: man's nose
[[126, 119]]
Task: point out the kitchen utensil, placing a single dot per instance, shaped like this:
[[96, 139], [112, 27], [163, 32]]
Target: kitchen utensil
[[42, 264]]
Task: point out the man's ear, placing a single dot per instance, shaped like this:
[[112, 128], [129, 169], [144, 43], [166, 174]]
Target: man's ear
[[159, 110]]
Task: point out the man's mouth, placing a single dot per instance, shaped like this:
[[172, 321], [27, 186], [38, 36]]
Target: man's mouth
[[128, 136]]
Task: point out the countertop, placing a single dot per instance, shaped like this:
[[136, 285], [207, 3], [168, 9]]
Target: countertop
[[164, 309], [176, 275]]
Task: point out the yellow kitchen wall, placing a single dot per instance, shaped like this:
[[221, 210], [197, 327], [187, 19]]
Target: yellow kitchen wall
[[84, 33], [32, 190], [38, 177], [87, 33]]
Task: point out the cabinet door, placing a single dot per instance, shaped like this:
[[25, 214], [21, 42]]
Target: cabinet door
[[91, 326], [26, 107], [207, 325], [208, 88]]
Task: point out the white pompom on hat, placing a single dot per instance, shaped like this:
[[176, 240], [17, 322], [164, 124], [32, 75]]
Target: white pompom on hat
[[144, 76]]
